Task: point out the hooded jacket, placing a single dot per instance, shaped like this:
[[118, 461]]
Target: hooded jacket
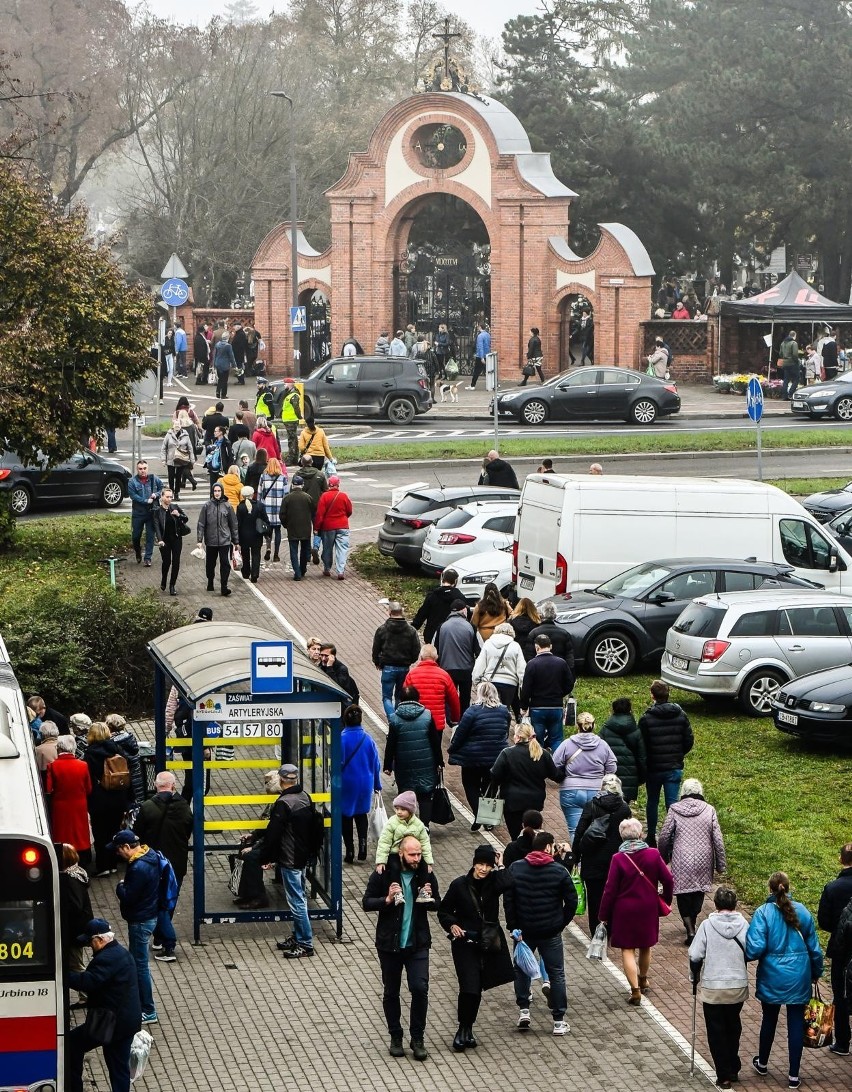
[[789, 959], [481, 735], [413, 748], [594, 758], [435, 610], [217, 523], [333, 511], [315, 482], [457, 643], [511, 668], [594, 857], [395, 644], [437, 691], [296, 515], [690, 842], [139, 891], [485, 623], [232, 485], [499, 472], [622, 733], [720, 943], [833, 900], [265, 438], [541, 899], [668, 737]]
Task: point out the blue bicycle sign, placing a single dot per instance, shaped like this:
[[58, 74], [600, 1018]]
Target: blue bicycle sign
[[175, 292]]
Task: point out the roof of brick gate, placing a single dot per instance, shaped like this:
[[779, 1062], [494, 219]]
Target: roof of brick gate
[[211, 656]]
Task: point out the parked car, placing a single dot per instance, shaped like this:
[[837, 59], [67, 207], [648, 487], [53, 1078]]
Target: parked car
[[365, 386], [84, 478], [592, 394], [747, 645], [841, 528], [472, 528], [490, 567], [817, 707], [829, 503], [625, 620], [832, 398], [403, 532]]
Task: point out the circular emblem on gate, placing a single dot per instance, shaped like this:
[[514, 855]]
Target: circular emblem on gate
[[439, 146]]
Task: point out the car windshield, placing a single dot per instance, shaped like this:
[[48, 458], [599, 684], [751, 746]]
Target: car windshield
[[636, 580], [412, 504]]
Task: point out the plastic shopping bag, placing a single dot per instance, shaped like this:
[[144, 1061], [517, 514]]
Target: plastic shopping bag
[[140, 1048], [524, 959], [819, 1021], [597, 945], [580, 888], [199, 552], [379, 816]]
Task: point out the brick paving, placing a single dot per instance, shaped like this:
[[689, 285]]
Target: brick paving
[[234, 1015]]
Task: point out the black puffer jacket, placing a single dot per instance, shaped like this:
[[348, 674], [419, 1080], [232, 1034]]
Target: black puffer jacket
[[622, 733], [413, 748], [561, 643], [541, 900], [523, 625], [435, 610], [594, 858], [668, 737], [390, 915], [523, 778], [165, 823], [481, 735], [395, 644], [834, 899]]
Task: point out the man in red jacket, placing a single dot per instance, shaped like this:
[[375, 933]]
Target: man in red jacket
[[436, 689], [331, 523]]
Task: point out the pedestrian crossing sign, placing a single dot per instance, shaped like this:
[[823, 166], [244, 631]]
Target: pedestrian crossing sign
[[298, 319]]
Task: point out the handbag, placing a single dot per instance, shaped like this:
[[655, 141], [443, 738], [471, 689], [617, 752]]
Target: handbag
[[262, 526], [528, 370], [489, 937], [184, 529], [442, 809], [489, 812], [663, 907], [378, 817], [580, 888], [236, 876], [819, 1021], [100, 1026]]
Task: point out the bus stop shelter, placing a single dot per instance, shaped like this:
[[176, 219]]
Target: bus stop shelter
[[232, 732]]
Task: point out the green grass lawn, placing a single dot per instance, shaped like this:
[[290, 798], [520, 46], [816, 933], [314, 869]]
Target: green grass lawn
[[64, 548], [781, 804], [601, 445]]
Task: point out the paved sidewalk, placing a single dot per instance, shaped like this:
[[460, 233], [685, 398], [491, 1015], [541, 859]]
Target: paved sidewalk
[[235, 1016]]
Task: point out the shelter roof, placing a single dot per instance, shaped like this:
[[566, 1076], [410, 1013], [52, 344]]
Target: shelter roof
[[791, 300]]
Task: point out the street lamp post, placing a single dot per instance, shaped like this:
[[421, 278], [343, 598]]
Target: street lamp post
[[294, 219]]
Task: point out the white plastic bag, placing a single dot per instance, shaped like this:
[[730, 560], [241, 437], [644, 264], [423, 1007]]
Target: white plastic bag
[[140, 1048], [199, 552], [597, 945], [378, 817]]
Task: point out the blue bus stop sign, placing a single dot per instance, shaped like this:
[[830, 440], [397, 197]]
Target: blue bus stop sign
[[175, 292], [754, 399]]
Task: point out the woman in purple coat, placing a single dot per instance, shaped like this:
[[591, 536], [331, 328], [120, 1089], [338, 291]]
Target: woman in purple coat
[[631, 904]]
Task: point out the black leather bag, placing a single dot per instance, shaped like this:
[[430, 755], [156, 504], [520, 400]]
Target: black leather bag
[[442, 809], [100, 1026]]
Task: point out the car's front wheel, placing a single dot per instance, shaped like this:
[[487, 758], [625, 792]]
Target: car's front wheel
[[401, 411], [111, 493], [610, 654], [534, 412], [759, 689], [644, 412], [21, 500], [843, 409]]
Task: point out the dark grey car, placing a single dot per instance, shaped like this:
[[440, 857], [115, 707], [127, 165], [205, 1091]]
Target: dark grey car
[[402, 534], [84, 478]]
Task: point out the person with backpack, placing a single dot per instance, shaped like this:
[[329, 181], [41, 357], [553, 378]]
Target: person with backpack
[[219, 457], [223, 361], [109, 772], [291, 842], [139, 899], [165, 824]]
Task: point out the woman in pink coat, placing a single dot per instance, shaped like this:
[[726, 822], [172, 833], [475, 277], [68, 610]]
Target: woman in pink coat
[[631, 904]]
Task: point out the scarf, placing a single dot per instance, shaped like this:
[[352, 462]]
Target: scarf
[[539, 857], [632, 845]]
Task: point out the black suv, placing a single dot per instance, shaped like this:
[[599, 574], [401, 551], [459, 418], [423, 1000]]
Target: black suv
[[626, 619], [365, 386]]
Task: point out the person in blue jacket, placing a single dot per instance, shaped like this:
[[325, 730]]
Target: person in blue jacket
[[481, 735], [144, 488], [360, 771], [139, 902], [782, 938]]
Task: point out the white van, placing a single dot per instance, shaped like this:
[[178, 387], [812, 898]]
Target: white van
[[575, 531]]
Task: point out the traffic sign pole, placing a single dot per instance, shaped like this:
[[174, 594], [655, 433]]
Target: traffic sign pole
[[754, 406]]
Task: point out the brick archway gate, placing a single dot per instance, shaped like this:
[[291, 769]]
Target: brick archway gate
[[475, 150]]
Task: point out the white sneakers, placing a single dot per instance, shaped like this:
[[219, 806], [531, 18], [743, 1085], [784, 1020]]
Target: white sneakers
[[561, 1027], [524, 1021]]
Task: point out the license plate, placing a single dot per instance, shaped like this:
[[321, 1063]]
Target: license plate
[[679, 663], [799, 405], [788, 718], [527, 582], [385, 548], [426, 555]]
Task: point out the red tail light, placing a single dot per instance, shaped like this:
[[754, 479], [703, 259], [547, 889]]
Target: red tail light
[[4, 474], [30, 856], [671, 387], [561, 574], [416, 523], [423, 384], [515, 560], [714, 650], [452, 539]]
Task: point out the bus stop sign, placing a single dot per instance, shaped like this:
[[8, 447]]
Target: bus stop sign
[[272, 667]]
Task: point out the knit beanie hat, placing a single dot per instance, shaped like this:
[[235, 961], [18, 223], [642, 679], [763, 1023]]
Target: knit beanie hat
[[407, 800], [485, 855]]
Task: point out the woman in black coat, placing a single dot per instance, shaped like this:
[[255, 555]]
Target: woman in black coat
[[251, 539], [480, 736], [521, 773], [594, 853], [75, 910], [170, 527], [106, 806], [470, 912]]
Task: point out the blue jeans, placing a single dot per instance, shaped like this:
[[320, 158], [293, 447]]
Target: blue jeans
[[392, 678], [795, 1034], [164, 932], [548, 726], [335, 546], [552, 953], [572, 802], [669, 782], [294, 888], [140, 521], [139, 934]]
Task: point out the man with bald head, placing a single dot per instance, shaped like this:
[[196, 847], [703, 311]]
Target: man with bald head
[[403, 939], [496, 471]]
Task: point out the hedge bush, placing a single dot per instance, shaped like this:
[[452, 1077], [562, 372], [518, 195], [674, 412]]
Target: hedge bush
[[81, 643]]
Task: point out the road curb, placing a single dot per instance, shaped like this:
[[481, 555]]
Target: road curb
[[412, 464]]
